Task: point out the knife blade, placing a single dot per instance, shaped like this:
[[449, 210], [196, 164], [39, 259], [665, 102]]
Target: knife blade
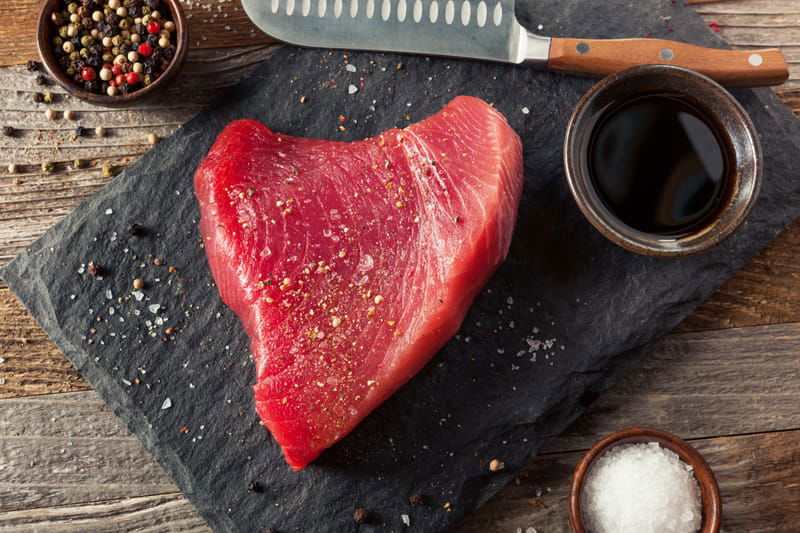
[[489, 30]]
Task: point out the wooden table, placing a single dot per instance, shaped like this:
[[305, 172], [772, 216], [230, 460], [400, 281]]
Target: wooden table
[[728, 379]]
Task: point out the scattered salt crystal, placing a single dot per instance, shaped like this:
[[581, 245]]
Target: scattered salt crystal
[[525, 111], [153, 308], [352, 89], [406, 520], [510, 300], [2, 360], [167, 404], [109, 296], [351, 68], [641, 488], [126, 382], [109, 211]]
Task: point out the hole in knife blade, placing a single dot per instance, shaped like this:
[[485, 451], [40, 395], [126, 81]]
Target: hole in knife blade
[[353, 8], [289, 7], [305, 7], [275, 5], [466, 12], [417, 11], [480, 14], [434, 11], [449, 11], [337, 8], [322, 6], [370, 8], [401, 10], [498, 14], [386, 9]]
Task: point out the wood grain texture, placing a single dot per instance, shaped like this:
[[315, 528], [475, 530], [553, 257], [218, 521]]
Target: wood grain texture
[[749, 376], [162, 512], [732, 68], [766, 291], [67, 449], [212, 24], [757, 477]]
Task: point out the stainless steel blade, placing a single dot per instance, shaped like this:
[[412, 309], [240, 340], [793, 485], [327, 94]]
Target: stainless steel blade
[[459, 28]]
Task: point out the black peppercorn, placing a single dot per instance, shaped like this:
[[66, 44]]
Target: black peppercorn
[[168, 54], [8, 131], [92, 86], [152, 40], [80, 131], [153, 4], [416, 500], [137, 230], [94, 62], [112, 19], [32, 65], [41, 80], [38, 98], [255, 486], [124, 48]]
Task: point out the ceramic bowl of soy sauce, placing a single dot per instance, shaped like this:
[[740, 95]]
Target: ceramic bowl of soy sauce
[[662, 160]]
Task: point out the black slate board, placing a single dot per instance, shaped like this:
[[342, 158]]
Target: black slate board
[[483, 396]]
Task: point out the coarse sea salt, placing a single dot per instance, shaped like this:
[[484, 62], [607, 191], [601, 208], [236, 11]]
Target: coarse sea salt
[[641, 488]]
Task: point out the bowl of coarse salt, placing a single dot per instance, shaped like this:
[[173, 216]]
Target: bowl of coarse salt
[[642, 480]]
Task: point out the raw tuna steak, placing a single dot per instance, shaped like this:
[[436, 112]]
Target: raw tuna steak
[[351, 264]]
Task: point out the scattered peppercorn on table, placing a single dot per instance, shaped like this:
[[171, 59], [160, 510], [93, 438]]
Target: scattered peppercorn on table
[[67, 460]]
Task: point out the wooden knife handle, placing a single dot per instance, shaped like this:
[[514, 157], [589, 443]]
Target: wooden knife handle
[[733, 68]]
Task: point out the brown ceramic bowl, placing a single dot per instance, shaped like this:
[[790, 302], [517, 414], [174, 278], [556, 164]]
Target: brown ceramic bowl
[[44, 36], [740, 141], [709, 491]]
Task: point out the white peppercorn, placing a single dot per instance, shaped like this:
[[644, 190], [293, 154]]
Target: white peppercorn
[[112, 91], [133, 57], [69, 114], [152, 139], [50, 114], [138, 68], [163, 42], [97, 16], [100, 131]]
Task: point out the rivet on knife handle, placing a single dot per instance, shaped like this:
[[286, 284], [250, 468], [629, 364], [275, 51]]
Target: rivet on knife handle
[[729, 67]]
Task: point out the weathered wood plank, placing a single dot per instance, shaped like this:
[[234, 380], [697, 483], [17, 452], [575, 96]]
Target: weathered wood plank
[[163, 512], [59, 450], [212, 24], [765, 291], [757, 475], [687, 376], [749, 378], [29, 361]]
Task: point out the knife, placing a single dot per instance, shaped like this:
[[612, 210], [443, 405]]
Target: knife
[[489, 30]]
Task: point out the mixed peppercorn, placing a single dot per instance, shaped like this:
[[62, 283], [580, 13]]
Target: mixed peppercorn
[[113, 46]]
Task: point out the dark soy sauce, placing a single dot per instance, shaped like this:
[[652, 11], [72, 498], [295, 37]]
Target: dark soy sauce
[[658, 165]]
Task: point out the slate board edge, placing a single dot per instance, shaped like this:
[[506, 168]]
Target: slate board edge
[[15, 274]]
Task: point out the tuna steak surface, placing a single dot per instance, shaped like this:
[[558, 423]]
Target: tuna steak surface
[[351, 264]]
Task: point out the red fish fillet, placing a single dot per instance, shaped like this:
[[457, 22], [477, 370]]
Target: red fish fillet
[[351, 264]]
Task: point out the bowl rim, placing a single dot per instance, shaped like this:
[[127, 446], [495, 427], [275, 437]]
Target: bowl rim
[[711, 502], [708, 94], [44, 34]]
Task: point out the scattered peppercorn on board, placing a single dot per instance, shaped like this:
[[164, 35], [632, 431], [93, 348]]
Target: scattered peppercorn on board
[[496, 392]]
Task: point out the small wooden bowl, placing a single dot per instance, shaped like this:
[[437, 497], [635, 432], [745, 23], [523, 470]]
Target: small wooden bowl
[[709, 491], [44, 38]]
